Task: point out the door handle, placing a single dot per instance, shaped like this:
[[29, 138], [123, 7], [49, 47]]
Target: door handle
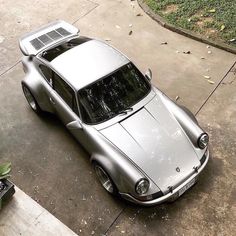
[[52, 101]]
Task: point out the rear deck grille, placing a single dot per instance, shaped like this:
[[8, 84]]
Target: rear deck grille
[[54, 35], [62, 31], [49, 37], [45, 39], [36, 44]]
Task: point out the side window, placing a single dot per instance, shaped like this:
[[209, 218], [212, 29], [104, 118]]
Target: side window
[[65, 91], [47, 73]]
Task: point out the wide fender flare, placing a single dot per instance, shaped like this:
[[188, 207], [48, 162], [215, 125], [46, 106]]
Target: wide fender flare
[[185, 120], [125, 181]]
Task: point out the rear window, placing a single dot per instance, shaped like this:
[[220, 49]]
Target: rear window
[[52, 53]]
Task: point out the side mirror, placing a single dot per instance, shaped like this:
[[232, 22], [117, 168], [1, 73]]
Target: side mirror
[[74, 125], [148, 74]]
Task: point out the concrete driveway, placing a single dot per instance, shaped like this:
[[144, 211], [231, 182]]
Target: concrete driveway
[[50, 166]]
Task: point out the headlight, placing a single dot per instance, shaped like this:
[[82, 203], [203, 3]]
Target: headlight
[[203, 140], [142, 186]]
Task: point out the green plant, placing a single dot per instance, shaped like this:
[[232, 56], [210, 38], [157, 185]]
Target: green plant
[[5, 170], [212, 18], [6, 188]]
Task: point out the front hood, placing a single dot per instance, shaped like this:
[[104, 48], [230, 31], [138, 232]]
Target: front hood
[[155, 142]]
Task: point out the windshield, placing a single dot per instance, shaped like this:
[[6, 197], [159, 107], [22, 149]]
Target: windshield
[[112, 95]]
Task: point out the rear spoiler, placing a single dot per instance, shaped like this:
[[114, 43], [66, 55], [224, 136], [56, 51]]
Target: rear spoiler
[[36, 41]]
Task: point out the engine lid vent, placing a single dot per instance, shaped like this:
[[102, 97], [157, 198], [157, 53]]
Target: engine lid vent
[[34, 42], [49, 37]]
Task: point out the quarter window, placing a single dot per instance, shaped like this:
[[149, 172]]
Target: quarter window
[[65, 91], [47, 73]]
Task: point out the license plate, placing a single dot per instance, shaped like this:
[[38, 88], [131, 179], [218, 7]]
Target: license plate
[[186, 187]]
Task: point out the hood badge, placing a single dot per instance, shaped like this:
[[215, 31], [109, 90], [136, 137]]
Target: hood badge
[[177, 169]]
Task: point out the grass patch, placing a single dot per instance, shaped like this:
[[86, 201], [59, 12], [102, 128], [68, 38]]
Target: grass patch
[[215, 19]]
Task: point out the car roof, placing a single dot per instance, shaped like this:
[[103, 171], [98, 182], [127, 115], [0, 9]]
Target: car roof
[[88, 62]]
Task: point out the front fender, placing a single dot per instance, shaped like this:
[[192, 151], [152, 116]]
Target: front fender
[[120, 168], [186, 121]]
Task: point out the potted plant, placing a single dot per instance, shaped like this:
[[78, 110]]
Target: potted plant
[[6, 187]]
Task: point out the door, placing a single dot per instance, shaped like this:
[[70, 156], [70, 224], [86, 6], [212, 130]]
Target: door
[[63, 101]]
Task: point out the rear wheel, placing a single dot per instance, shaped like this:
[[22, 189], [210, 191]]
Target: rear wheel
[[105, 179], [31, 100]]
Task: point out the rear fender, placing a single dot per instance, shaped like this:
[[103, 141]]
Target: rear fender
[[36, 83]]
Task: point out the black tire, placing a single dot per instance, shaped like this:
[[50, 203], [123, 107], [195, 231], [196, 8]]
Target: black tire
[[31, 99], [105, 180]]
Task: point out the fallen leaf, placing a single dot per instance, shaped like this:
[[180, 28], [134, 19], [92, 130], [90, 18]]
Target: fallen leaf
[[187, 52], [139, 14], [130, 32], [210, 81], [222, 27], [1, 39], [207, 76], [232, 40], [212, 10]]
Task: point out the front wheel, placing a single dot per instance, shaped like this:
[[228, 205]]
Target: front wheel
[[31, 100], [105, 179]]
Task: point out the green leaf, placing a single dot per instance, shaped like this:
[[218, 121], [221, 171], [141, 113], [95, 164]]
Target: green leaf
[[4, 177], [5, 168]]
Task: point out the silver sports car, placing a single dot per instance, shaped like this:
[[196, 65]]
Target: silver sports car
[[143, 146]]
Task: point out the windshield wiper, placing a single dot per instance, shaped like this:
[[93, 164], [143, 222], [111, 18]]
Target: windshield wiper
[[125, 111]]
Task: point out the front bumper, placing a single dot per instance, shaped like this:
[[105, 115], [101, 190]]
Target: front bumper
[[171, 195]]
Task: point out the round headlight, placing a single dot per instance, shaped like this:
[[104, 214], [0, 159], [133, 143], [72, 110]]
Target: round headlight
[[203, 141], [142, 186]]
